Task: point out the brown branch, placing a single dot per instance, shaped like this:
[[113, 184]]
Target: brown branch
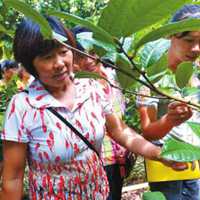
[[151, 86]]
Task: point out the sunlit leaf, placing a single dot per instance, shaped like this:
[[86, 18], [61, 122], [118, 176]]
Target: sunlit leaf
[[152, 52], [158, 69], [180, 151], [125, 80], [127, 43], [32, 14], [122, 18], [105, 36], [183, 74], [189, 91], [195, 127], [88, 43], [168, 30]]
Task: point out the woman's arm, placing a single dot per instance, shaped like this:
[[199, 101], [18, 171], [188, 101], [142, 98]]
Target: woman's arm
[[154, 128], [128, 138], [14, 162]]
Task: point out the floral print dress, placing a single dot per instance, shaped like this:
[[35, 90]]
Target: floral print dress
[[61, 166]]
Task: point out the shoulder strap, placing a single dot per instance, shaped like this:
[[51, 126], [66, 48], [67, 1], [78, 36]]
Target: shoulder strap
[[74, 130]]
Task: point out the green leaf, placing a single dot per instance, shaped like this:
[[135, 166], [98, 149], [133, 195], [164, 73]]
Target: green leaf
[[121, 18], [123, 63], [85, 74], [127, 43], [168, 30], [88, 43], [180, 151], [195, 127], [112, 56], [152, 52], [153, 196], [1, 53], [2, 28], [103, 35], [189, 91], [183, 74], [5, 31], [158, 69], [33, 14]]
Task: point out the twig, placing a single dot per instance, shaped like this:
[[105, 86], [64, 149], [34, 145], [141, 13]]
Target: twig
[[150, 85]]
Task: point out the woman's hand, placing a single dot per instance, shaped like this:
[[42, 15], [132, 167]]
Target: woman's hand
[[178, 113], [178, 166]]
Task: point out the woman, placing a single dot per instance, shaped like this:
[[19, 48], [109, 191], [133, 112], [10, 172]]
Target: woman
[[112, 154], [161, 118], [61, 164]]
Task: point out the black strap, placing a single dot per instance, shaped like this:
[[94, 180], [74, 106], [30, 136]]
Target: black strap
[[74, 130]]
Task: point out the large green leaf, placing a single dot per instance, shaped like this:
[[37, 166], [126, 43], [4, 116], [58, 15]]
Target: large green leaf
[[195, 127], [183, 74], [33, 14], [125, 80], [102, 34], [180, 151], [153, 196], [121, 18], [189, 91], [169, 29], [127, 43], [160, 66], [152, 52], [88, 43]]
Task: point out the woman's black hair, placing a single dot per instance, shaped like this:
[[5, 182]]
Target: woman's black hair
[[29, 42], [189, 11]]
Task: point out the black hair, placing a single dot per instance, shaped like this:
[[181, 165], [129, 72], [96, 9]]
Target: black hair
[[189, 11], [29, 42], [8, 64]]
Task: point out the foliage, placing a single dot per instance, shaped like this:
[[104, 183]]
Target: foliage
[[10, 17], [7, 90], [153, 196]]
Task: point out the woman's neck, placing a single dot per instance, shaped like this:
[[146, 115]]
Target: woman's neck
[[173, 62], [64, 94]]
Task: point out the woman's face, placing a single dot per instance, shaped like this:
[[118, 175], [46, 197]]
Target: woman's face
[[9, 73], [186, 48], [54, 68], [88, 64]]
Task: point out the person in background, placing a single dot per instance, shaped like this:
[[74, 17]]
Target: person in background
[[61, 165], [9, 69], [113, 155], [25, 78], [161, 119]]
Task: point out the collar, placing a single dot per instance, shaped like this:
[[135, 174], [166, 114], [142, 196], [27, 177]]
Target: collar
[[40, 98]]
